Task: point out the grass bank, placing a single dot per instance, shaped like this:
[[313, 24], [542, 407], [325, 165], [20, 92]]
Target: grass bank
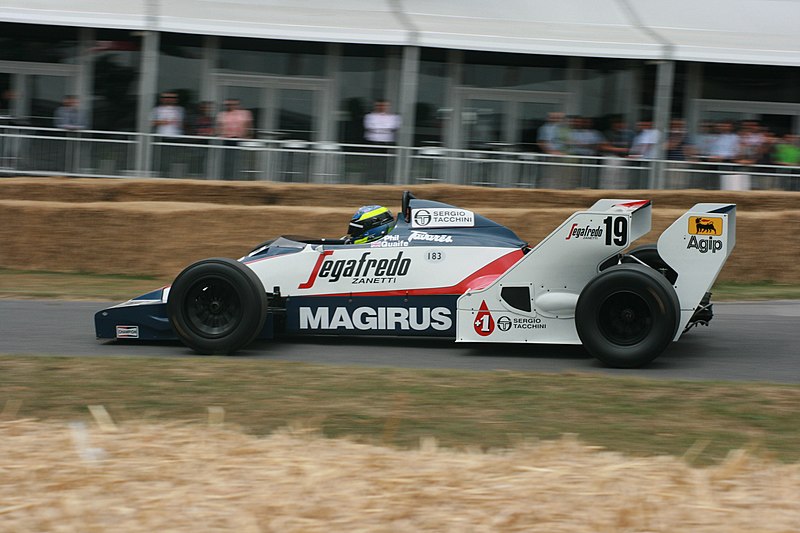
[[396, 407]]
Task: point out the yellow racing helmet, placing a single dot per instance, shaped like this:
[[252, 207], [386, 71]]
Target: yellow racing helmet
[[370, 223]]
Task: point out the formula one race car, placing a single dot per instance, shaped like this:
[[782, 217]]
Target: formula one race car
[[448, 272]]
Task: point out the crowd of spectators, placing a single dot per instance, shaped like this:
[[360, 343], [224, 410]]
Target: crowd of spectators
[[169, 119], [746, 143]]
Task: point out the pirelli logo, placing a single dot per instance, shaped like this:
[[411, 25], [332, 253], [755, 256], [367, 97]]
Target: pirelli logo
[[705, 226]]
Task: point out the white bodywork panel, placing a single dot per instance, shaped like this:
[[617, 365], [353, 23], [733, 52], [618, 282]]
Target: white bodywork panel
[[370, 270], [555, 272]]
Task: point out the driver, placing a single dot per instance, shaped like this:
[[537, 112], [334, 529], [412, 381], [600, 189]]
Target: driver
[[369, 223]]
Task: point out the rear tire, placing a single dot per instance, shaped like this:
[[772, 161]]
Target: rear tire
[[627, 315], [217, 306], [648, 254]]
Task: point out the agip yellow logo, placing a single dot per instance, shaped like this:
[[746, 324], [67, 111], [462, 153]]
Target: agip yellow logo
[[705, 226]]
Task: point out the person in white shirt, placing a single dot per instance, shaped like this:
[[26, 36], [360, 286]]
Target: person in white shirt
[[380, 130], [380, 126], [645, 144], [726, 144], [167, 117]]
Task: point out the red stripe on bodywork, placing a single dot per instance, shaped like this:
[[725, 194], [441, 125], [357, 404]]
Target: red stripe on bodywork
[[313, 277], [477, 280], [635, 206]]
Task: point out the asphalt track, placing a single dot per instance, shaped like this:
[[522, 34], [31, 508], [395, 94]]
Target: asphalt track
[[745, 342]]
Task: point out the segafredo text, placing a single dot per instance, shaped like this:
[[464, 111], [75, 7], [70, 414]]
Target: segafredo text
[[584, 232], [376, 318], [366, 269]]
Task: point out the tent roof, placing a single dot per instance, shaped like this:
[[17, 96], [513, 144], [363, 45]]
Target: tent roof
[[729, 31]]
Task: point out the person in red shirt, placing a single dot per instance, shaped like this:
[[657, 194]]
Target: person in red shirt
[[232, 124]]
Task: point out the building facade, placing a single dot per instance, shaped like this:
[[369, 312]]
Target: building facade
[[461, 77]]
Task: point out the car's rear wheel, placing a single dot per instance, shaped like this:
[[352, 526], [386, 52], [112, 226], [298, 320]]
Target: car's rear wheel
[[627, 315], [648, 254], [217, 306]]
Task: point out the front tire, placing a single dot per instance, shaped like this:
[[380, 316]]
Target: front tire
[[627, 315], [217, 306]]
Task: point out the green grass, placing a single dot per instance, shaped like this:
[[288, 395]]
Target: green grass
[[396, 407], [764, 290], [75, 286], [84, 285]]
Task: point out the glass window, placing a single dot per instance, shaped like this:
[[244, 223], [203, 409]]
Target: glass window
[[515, 71], [46, 94], [751, 83], [362, 80], [6, 96], [431, 110], [605, 89], [115, 55], [41, 44], [180, 71], [280, 58]]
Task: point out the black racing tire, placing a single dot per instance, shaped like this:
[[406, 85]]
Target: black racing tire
[[217, 306], [627, 315]]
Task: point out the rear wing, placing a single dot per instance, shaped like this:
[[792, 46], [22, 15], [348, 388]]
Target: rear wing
[[696, 246]]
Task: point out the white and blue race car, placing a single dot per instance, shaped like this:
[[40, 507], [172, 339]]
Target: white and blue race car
[[444, 271]]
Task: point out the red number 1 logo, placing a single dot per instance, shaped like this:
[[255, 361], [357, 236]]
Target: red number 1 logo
[[484, 323]]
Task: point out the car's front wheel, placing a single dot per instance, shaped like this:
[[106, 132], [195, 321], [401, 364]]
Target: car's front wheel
[[627, 315], [217, 306]]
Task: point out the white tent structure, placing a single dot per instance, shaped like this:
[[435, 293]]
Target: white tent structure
[[730, 31]]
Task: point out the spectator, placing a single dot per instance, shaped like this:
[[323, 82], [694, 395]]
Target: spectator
[[552, 136], [7, 99], [380, 126], [380, 129], [583, 138], [704, 141], [203, 122], [618, 139], [614, 175], [233, 122], [787, 151], [751, 139], [725, 148], [167, 117], [68, 116], [645, 144], [678, 146], [11, 147], [767, 151]]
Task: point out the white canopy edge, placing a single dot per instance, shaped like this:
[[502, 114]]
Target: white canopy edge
[[729, 31]]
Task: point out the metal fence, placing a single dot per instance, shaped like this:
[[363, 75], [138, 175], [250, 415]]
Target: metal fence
[[47, 151]]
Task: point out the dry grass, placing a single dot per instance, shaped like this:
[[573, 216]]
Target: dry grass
[[398, 407], [179, 477]]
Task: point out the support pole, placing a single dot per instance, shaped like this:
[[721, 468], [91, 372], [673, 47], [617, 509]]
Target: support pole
[[148, 83], [409, 81], [665, 76]]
